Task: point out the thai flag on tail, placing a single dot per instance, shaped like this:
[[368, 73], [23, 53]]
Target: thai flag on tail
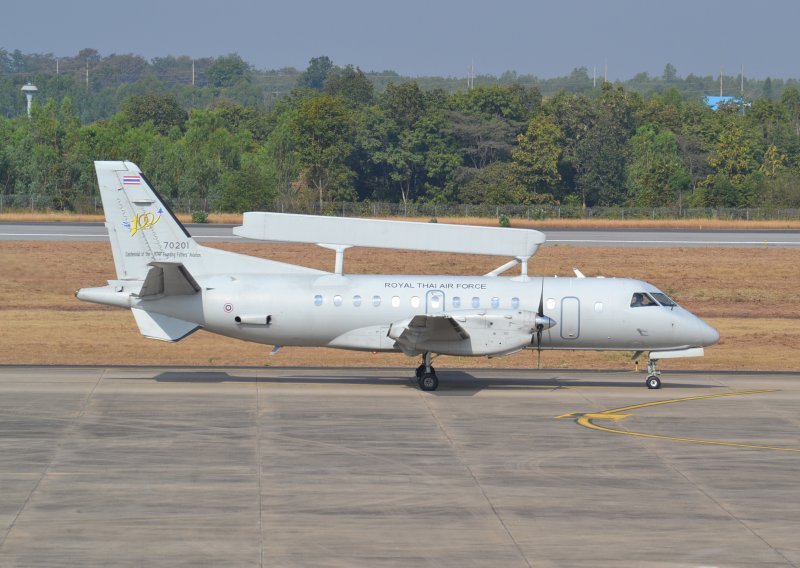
[[131, 180]]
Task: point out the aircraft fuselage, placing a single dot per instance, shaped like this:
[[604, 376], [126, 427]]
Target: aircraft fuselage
[[352, 312]]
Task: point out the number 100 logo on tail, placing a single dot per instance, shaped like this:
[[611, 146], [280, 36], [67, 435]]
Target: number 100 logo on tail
[[144, 221]]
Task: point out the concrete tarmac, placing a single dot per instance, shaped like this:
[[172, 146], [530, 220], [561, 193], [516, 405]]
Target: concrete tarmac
[[357, 467]]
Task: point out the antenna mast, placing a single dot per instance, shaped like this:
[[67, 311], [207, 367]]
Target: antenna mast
[[742, 91]]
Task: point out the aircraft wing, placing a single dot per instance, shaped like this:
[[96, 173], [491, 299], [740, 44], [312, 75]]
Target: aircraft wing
[[413, 333]]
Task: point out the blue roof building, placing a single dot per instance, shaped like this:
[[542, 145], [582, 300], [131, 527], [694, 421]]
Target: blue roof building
[[715, 103]]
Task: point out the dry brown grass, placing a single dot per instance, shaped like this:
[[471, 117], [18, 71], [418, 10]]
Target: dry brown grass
[[49, 217], [688, 224], [748, 294]]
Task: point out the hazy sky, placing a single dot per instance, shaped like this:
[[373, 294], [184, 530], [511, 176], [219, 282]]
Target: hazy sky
[[428, 37]]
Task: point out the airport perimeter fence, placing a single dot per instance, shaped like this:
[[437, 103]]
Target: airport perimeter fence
[[93, 205]]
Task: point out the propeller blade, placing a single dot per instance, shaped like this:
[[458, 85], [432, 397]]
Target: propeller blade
[[539, 328], [541, 301]]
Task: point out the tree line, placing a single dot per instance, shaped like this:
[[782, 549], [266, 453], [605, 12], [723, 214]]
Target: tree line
[[98, 84], [335, 137]]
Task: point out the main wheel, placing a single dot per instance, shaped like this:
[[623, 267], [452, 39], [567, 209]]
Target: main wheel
[[428, 382], [653, 382], [418, 371]]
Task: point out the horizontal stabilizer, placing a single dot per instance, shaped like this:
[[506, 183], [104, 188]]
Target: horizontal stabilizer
[[168, 279], [161, 327]]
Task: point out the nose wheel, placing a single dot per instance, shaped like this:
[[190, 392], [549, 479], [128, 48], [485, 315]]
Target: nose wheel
[[653, 380], [426, 374]]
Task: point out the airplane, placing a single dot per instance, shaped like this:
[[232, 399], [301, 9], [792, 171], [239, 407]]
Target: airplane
[[175, 286]]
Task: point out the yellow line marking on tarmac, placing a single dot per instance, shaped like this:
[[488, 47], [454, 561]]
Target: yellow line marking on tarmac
[[585, 420], [567, 415], [605, 415]]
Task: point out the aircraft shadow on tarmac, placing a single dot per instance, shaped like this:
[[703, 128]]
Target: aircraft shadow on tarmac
[[452, 383]]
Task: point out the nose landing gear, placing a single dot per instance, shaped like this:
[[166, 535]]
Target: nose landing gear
[[653, 380]]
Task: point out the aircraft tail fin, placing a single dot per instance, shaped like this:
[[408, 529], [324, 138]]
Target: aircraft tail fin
[[140, 224], [143, 230]]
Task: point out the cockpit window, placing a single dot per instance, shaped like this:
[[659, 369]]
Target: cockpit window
[[664, 300], [642, 299]]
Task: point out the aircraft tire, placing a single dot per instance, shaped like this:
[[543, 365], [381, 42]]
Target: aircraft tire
[[428, 382], [653, 382], [419, 371]]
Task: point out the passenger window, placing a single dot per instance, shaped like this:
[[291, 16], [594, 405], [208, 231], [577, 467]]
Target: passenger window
[[598, 307], [395, 301], [476, 302], [514, 303], [456, 301], [318, 300], [414, 301], [356, 300], [376, 301], [495, 303], [337, 300], [642, 299]]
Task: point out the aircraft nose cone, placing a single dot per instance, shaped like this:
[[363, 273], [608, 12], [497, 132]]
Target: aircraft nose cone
[[707, 334]]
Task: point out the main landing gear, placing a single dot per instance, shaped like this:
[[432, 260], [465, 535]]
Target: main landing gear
[[426, 374], [653, 380]]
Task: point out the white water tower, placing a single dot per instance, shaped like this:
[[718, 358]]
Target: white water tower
[[29, 91]]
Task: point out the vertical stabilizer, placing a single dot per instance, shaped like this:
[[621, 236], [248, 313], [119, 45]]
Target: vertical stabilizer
[[143, 230], [141, 227]]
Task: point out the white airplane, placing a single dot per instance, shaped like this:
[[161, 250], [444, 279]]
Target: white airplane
[[175, 286]]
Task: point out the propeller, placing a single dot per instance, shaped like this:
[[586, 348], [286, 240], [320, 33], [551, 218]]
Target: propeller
[[541, 323], [539, 328]]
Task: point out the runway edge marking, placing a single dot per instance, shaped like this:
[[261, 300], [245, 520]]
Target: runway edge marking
[[586, 420]]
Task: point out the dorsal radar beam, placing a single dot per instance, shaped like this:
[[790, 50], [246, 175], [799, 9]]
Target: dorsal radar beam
[[340, 233]]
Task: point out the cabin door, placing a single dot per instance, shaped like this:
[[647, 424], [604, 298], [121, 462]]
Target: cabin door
[[570, 318]]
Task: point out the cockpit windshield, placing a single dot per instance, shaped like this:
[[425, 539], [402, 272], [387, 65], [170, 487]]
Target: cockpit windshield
[[664, 300], [642, 299]]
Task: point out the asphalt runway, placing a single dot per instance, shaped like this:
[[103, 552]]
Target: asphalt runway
[[588, 237], [357, 467]]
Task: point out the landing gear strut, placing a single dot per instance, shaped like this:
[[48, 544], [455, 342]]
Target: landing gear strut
[[653, 380], [426, 374]]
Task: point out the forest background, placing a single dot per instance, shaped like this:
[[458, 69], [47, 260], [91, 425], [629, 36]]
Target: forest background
[[230, 138]]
